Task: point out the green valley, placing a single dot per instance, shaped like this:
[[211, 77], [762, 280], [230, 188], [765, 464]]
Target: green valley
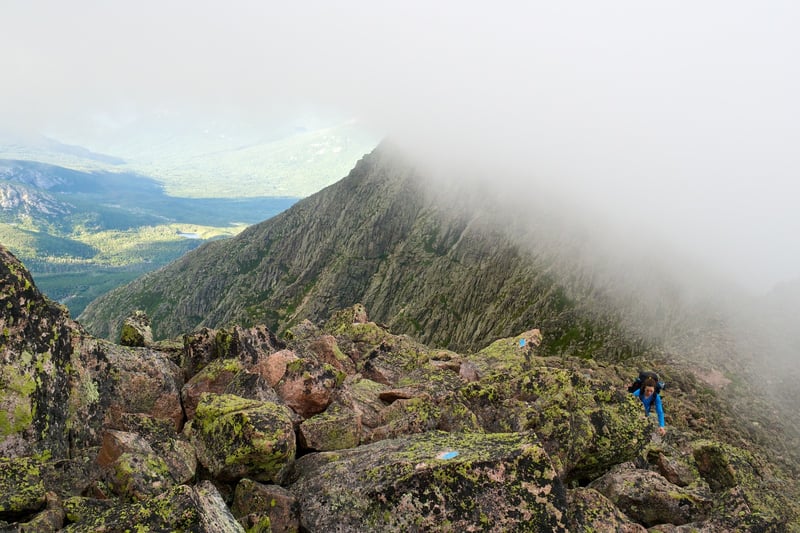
[[85, 222]]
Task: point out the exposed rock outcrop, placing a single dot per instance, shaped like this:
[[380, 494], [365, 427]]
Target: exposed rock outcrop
[[432, 482]]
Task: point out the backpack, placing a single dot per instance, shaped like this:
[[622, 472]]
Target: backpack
[[643, 375]]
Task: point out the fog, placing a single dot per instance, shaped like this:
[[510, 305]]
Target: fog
[[677, 120]]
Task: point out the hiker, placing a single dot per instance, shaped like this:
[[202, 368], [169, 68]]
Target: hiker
[[647, 393], [530, 340]]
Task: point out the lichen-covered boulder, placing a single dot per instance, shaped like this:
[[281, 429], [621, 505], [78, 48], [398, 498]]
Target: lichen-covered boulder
[[22, 491], [115, 443], [199, 509], [431, 482], [326, 350], [336, 428], [132, 469], [649, 499], [272, 367], [265, 508], [399, 361], [724, 466], [252, 386], [176, 450], [83, 509], [308, 386], [355, 335], [363, 397], [747, 495], [110, 381], [589, 511], [246, 345], [37, 341], [136, 330], [250, 344], [138, 476], [235, 437], [48, 521], [407, 416], [344, 319], [675, 470], [214, 377], [586, 425]]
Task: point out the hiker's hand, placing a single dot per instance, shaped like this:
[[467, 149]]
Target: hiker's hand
[[662, 431]]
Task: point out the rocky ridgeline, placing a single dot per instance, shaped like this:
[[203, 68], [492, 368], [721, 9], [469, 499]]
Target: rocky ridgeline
[[348, 427]]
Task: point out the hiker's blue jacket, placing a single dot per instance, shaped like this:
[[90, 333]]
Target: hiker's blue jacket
[[648, 403]]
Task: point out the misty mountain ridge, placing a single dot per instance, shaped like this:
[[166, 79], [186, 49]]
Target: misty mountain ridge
[[452, 262]]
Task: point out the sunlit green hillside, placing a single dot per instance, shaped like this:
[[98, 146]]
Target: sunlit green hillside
[[84, 233]]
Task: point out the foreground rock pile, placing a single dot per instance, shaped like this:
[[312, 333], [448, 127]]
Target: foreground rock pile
[[347, 428]]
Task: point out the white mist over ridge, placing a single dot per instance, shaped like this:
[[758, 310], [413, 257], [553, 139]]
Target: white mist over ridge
[[677, 120]]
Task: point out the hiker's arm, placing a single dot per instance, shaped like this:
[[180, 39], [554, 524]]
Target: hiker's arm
[[660, 411]]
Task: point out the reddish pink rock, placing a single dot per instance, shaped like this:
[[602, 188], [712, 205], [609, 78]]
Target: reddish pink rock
[[307, 387], [273, 367], [115, 443], [327, 351]]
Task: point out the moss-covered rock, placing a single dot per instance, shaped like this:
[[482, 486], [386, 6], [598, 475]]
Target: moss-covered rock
[[136, 330], [199, 509], [589, 511], [431, 482], [336, 428], [214, 377], [237, 438], [265, 508], [585, 424], [22, 491], [649, 499]]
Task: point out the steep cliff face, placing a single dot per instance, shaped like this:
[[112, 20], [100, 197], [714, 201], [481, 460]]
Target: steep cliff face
[[442, 268]]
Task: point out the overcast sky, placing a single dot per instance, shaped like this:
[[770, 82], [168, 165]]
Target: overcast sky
[[683, 116]]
